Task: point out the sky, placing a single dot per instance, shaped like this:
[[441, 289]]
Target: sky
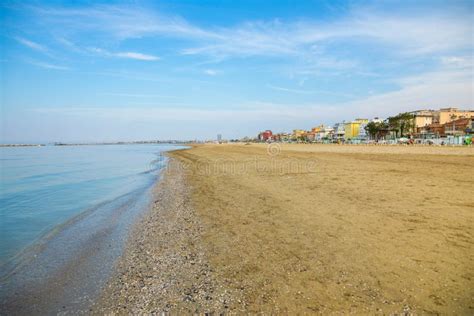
[[90, 71]]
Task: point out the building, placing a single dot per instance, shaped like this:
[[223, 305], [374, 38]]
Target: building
[[265, 136], [362, 120], [362, 132], [377, 120], [458, 127], [352, 129], [442, 116], [325, 132], [450, 114], [424, 118], [317, 129], [339, 131], [281, 137], [298, 134], [425, 122], [311, 136], [434, 130]]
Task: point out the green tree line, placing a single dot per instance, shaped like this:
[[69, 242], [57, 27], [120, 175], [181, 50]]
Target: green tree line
[[401, 124]]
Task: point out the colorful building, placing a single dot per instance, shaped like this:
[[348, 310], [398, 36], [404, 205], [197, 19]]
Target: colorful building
[[352, 129], [339, 131], [298, 134], [324, 132], [450, 114], [317, 129], [265, 136], [311, 136], [424, 118], [281, 137], [458, 127]]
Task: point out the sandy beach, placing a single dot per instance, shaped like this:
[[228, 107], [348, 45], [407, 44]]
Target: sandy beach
[[304, 229]]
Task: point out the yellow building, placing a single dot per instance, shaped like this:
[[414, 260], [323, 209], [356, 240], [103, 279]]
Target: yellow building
[[317, 129], [362, 120], [450, 114], [352, 129], [298, 133], [424, 118]]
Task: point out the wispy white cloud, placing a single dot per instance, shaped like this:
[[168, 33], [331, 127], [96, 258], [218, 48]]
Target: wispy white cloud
[[69, 44], [128, 55], [298, 91], [137, 95], [121, 21], [407, 34], [137, 56], [47, 65], [32, 45], [458, 61], [211, 72], [309, 92]]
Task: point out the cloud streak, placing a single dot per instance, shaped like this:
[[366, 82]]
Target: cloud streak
[[211, 72], [127, 55], [48, 65], [137, 56], [32, 45], [122, 21], [297, 91]]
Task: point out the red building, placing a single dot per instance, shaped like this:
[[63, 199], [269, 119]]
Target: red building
[[458, 127], [266, 135]]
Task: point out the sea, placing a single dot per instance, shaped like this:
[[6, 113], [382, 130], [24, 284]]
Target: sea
[[65, 213]]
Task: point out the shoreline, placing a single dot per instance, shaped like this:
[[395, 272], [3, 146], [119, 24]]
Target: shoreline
[[164, 267]]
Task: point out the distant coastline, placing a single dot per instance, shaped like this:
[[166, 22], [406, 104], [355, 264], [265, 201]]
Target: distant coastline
[[125, 143], [22, 145], [171, 142]]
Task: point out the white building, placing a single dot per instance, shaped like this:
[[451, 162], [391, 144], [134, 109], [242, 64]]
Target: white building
[[339, 130], [325, 132]]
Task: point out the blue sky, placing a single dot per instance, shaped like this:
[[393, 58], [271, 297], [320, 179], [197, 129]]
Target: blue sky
[[90, 71]]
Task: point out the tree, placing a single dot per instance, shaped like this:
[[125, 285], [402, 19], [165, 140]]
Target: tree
[[372, 129], [375, 129], [402, 124]]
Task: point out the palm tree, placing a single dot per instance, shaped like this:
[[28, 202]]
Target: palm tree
[[375, 129], [401, 123]]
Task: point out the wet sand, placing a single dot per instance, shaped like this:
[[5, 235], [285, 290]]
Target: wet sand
[[305, 229]]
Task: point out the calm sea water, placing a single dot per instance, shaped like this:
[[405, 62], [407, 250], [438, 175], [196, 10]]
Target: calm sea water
[[42, 187]]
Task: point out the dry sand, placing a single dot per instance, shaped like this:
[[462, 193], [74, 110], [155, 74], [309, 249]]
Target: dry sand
[[323, 229]]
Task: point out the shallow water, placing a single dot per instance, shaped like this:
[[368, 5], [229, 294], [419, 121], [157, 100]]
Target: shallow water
[[65, 214]]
